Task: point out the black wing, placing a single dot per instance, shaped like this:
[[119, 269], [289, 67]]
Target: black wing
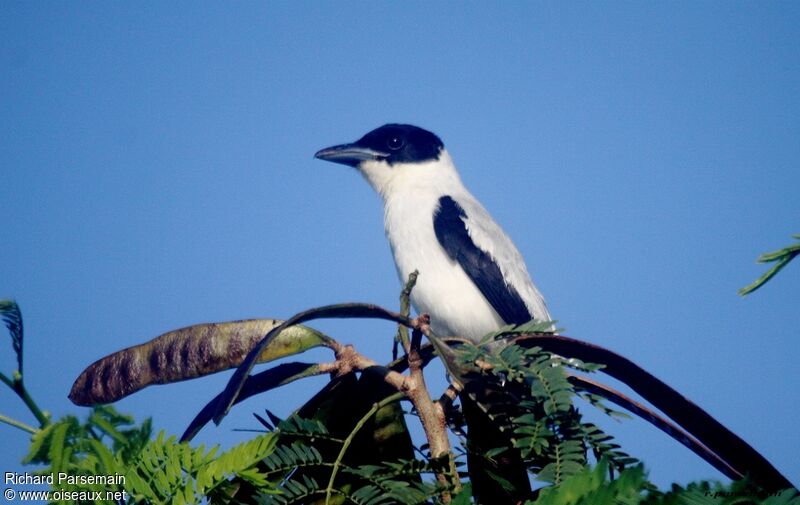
[[451, 230]]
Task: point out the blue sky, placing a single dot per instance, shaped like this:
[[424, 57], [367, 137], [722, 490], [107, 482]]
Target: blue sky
[[157, 172]]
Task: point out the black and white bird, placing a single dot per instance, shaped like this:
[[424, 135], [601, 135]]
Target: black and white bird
[[472, 279]]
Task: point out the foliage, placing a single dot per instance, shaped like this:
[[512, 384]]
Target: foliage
[[160, 470], [103, 445], [592, 485], [170, 472], [109, 454], [781, 258], [534, 398], [304, 464], [554, 441], [737, 493], [269, 469], [12, 317], [350, 443]]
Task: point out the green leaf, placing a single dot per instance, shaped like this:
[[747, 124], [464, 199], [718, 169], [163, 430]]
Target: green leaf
[[532, 326], [108, 464], [781, 257], [591, 486], [38, 450], [56, 451]]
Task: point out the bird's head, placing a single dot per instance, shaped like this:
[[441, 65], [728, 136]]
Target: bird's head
[[390, 153]]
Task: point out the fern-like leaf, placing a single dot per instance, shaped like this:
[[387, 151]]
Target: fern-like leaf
[[568, 459], [603, 447], [12, 317], [592, 486], [286, 458], [292, 491], [177, 473], [532, 435], [297, 426], [398, 481], [781, 258], [532, 326]]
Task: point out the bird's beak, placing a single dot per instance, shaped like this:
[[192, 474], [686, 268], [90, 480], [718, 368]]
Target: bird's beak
[[349, 154]]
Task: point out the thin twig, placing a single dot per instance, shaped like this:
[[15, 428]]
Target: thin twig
[[18, 424], [405, 310], [431, 415], [347, 441], [20, 390]]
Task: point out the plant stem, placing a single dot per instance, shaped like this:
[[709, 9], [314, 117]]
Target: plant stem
[[405, 310], [6, 380], [431, 415], [18, 424], [18, 387], [360, 424]]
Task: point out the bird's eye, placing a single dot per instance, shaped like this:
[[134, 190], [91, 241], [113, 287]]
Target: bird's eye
[[395, 143]]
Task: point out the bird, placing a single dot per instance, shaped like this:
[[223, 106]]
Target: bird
[[472, 279]]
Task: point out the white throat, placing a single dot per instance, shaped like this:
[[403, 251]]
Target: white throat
[[437, 177]]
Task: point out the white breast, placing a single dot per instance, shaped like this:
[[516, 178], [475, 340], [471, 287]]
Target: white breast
[[411, 194], [443, 290]]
